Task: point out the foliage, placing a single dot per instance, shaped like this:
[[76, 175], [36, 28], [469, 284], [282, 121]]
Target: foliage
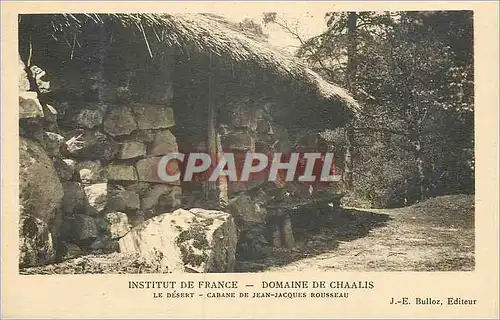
[[413, 74], [253, 28]]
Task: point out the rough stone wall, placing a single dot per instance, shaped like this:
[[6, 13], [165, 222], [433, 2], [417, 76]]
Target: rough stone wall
[[252, 127], [41, 170], [116, 131], [97, 155]]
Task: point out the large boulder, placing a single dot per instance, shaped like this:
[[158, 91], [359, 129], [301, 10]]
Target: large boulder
[[35, 242], [194, 240], [40, 189]]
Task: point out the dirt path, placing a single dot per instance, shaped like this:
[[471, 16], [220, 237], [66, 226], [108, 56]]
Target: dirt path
[[436, 235]]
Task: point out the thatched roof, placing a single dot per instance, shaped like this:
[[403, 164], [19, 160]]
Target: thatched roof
[[206, 32]]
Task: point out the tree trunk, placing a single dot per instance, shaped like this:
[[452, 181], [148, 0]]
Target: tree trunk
[[351, 49], [415, 141], [350, 80], [420, 169], [348, 163]]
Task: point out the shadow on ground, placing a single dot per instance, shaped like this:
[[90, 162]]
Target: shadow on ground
[[316, 233]]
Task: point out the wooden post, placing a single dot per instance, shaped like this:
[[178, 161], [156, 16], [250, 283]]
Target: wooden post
[[276, 235], [211, 186], [215, 190], [223, 189], [287, 231]]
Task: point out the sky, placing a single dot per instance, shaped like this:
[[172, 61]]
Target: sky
[[307, 24]]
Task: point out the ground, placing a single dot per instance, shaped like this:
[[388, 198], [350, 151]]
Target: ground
[[435, 235]]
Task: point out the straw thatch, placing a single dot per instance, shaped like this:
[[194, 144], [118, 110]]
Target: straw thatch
[[206, 32]]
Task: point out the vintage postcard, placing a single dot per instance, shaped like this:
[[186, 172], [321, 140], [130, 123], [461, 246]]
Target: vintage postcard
[[250, 159]]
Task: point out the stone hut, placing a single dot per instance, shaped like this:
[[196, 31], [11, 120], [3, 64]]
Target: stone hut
[[104, 96]]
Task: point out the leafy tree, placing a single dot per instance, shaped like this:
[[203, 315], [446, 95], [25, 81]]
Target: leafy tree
[[413, 73]]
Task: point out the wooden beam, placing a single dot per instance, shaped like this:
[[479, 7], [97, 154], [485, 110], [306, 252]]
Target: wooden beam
[[223, 181], [211, 186]]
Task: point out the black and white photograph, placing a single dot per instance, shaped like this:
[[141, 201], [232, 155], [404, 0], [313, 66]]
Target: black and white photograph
[[175, 142]]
